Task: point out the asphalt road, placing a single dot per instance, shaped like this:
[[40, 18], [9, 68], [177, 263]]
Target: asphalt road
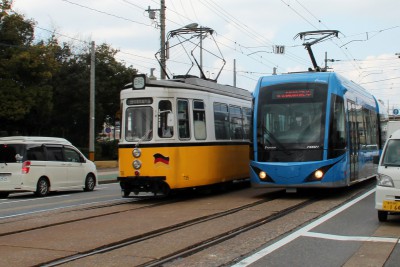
[[348, 236], [107, 192]]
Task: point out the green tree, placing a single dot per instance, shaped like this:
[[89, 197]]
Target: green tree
[[71, 93], [25, 72], [44, 85]]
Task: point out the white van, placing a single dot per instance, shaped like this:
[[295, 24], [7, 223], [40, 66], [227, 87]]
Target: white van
[[43, 164], [387, 195]]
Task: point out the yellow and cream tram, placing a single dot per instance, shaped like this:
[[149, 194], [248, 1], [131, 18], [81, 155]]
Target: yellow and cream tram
[[182, 133]]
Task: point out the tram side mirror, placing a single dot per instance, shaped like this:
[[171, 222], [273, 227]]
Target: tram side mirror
[[375, 159], [170, 119]]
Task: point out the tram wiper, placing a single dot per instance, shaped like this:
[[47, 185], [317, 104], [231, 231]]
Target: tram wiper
[[143, 137], [276, 141]]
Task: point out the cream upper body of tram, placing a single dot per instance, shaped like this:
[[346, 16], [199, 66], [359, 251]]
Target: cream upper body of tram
[[182, 133]]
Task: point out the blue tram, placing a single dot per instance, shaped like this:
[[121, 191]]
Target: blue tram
[[314, 129]]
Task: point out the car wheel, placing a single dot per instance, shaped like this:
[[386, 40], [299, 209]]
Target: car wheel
[[90, 183], [4, 194], [42, 188], [382, 215]]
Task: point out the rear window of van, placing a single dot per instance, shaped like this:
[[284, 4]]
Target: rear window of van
[[8, 152]]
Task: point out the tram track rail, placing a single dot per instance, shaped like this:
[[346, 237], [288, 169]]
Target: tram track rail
[[225, 236], [160, 201], [195, 247], [196, 226], [163, 202]]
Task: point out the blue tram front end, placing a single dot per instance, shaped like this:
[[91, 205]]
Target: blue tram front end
[[313, 130]]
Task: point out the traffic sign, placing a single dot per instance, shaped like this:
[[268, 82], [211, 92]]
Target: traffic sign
[[279, 49], [395, 111]]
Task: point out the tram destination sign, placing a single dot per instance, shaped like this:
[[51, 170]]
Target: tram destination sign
[[289, 94]]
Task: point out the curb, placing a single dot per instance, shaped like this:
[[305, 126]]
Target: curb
[[106, 164]]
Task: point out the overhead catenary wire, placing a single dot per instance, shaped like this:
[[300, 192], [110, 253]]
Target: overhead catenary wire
[[240, 48]]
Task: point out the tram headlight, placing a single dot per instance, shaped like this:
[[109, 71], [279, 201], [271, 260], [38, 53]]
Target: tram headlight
[[136, 152], [318, 174], [137, 164], [263, 175]]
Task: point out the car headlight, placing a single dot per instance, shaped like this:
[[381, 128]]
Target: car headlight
[[137, 164], [384, 180]]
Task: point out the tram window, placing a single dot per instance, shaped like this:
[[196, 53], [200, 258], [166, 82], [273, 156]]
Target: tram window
[[236, 122], [183, 119], [246, 123], [138, 126], [199, 120], [164, 108], [337, 136], [374, 129], [370, 122], [221, 120]]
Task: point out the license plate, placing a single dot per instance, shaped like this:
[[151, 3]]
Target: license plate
[[391, 205], [3, 179]]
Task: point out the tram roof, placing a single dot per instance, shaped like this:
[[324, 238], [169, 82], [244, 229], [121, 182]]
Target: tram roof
[[320, 77], [192, 83], [346, 86]]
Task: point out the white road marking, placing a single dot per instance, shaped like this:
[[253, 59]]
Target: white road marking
[[302, 231], [64, 207], [33, 199], [352, 238]]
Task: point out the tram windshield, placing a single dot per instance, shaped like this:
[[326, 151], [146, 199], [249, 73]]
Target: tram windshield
[[138, 126], [291, 119]]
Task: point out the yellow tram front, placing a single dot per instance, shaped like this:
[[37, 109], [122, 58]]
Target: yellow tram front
[[173, 136]]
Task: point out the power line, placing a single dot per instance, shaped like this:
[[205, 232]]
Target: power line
[[106, 13], [395, 78]]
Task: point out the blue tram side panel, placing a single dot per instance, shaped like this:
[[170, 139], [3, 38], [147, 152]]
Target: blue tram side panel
[[314, 129]]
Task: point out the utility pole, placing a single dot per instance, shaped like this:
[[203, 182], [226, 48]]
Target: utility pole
[[326, 61], [162, 38], [161, 24], [201, 47], [234, 72], [92, 93]]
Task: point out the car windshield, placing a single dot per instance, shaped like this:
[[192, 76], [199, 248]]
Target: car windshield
[[392, 153]]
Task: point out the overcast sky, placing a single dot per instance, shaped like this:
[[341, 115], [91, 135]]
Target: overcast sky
[[245, 31]]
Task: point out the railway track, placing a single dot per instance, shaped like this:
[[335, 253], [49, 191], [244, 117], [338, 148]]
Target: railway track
[[163, 233], [101, 209], [174, 228], [50, 224]]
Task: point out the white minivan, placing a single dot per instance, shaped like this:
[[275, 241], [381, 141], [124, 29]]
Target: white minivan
[[43, 164], [387, 195]]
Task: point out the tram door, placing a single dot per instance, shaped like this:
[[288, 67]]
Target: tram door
[[354, 118]]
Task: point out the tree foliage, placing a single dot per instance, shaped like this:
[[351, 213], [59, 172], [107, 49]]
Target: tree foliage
[[44, 85]]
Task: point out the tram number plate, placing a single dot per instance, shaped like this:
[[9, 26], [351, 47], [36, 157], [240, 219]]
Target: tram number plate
[[3, 179], [391, 205]]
